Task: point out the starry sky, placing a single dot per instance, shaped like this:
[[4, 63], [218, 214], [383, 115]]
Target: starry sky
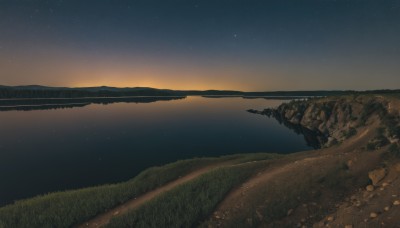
[[249, 45]]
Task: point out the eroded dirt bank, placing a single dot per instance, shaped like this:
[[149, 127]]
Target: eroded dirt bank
[[353, 181]]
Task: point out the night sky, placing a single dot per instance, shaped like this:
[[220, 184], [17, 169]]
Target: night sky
[[211, 44]]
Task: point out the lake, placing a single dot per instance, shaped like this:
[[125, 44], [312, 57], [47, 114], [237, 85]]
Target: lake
[[63, 147]]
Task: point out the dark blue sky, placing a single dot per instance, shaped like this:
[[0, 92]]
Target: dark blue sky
[[187, 44]]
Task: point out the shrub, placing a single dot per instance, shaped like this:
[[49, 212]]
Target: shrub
[[394, 150], [369, 108], [349, 133], [370, 146]]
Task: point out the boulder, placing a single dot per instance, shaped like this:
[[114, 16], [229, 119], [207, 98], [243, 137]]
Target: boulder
[[377, 175]]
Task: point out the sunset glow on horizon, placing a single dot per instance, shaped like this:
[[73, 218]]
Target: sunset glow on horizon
[[229, 45]]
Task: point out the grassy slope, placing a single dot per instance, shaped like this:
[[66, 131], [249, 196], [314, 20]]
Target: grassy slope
[[189, 203], [64, 209]]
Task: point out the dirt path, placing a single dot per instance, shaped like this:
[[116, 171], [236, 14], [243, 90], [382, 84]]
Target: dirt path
[[104, 219], [237, 199], [241, 200]]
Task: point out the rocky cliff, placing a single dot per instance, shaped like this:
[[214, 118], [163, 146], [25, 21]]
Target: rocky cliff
[[335, 119]]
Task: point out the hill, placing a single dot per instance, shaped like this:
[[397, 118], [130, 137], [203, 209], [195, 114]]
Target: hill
[[37, 91]]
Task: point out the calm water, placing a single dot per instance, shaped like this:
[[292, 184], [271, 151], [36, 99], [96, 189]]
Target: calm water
[[49, 150]]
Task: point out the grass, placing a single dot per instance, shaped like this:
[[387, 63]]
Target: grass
[[68, 208], [190, 203]]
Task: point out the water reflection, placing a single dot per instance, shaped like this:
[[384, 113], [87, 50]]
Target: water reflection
[[50, 150], [313, 139], [63, 103]]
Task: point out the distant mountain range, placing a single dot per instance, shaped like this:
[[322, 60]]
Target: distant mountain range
[[38, 91]]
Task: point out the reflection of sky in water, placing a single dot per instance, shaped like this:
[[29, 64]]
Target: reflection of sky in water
[[48, 150]]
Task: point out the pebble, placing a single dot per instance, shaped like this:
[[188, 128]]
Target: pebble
[[386, 208], [370, 188], [330, 219], [348, 226], [385, 184], [371, 196], [396, 202], [373, 215], [290, 211]]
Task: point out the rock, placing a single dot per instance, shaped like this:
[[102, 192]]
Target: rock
[[348, 226], [386, 208], [397, 167], [373, 215], [371, 196], [377, 175], [396, 202], [330, 219], [370, 188], [290, 211], [384, 184], [350, 163], [331, 141], [250, 221], [259, 215]]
